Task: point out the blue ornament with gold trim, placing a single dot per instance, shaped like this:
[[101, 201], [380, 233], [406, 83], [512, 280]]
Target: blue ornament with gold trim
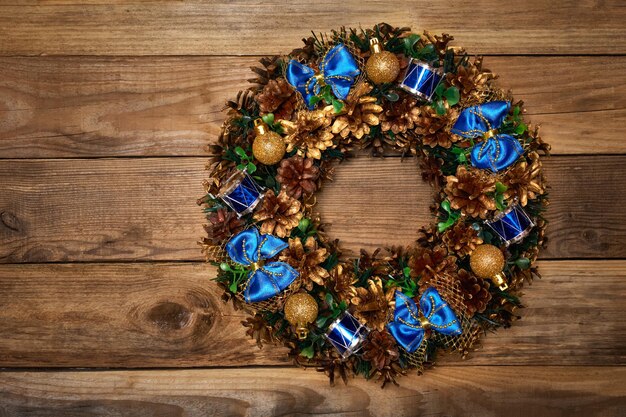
[[338, 70], [498, 150]]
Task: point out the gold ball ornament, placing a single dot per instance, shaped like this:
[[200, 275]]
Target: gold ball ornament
[[487, 262], [382, 66], [268, 146], [301, 310]]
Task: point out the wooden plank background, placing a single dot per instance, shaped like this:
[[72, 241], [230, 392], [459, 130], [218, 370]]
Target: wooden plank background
[[106, 109]]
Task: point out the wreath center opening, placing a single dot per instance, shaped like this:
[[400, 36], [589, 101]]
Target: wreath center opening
[[375, 202]]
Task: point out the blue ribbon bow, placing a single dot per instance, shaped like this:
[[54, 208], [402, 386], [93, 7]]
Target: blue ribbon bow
[[338, 69], [409, 323], [499, 150], [249, 248]]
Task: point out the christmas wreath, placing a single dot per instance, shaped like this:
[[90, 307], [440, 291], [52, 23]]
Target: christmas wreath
[[384, 313]]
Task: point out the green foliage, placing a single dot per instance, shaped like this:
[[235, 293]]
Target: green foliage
[[232, 275], [326, 95], [268, 119], [498, 195], [451, 95], [450, 219]]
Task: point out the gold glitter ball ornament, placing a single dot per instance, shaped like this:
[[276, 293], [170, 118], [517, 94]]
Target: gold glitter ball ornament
[[268, 146], [487, 262], [301, 310], [382, 66]]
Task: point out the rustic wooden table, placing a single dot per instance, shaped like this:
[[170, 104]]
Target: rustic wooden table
[[105, 112]]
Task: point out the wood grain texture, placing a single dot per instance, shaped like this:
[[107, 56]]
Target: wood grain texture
[[170, 315], [171, 106], [144, 209], [472, 391], [247, 27]]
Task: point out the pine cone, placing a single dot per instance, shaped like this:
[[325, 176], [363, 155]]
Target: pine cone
[[307, 53], [343, 280], [525, 181], [259, 330], [400, 116], [475, 291], [359, 112], [427, 236], [468, 191], [380, 349], [461, 239], [310, 133], [277, 97], [426, 264], [431, 170], [270, 69], [307, 259], [278, 214], [298, 176], [223, 224], [470, 78], [434, 127], [373, 306]]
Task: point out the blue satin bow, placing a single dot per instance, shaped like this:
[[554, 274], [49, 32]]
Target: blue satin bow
[[499, 150], [249, 248], [338, 69], [408, 322]]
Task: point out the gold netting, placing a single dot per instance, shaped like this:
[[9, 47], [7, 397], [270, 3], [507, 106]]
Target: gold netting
[[416, 359], [463, 343]]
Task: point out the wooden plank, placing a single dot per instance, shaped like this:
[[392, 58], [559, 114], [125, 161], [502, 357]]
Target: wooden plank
[[145, 209], [222, 27], [170, 315], [171, 106], [472, 391]]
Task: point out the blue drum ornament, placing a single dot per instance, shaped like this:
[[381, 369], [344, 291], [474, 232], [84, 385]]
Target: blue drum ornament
[[512, 224], [346, 334], [241, 193], [421, 79]]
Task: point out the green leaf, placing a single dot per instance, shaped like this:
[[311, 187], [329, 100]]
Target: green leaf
[[440, 90], [233, 287], [445, 204], [523, 263], [392, 96], [239, 151], [308, 352], [268, 118], [304, 224], [321, 321], [329, 300], [500, 188], [521, 128], [406, 271], [251, 167], [452, 95], [240, 167], [409, 43], [314, 100], [337, 105], [440, 108]]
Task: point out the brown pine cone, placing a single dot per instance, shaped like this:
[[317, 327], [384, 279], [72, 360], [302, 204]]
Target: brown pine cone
[[525, 180], [310, 133], [400, 116], [298, 176], [461, 239], [270, 69], [278, 214], [470, 78], [307, 259], [434, 127], [373, 306], [475, 291], [426, 264], [343, 279], [469, 191], [259, 330], [223, 224], [380, 349], [359, 112], [277, 97], [427, 236], [431, 170]]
